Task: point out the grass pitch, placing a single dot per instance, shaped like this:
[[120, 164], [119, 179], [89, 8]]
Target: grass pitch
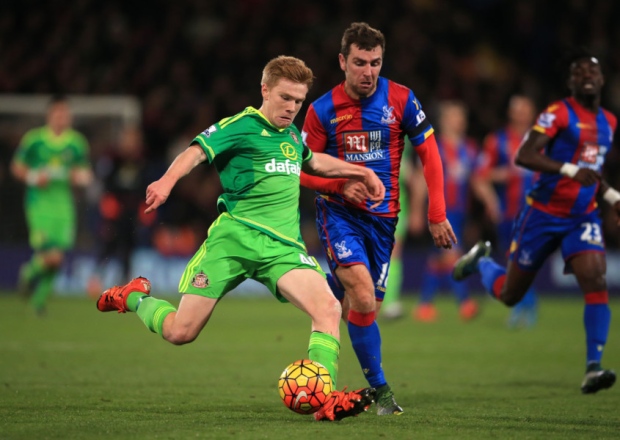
[[82, 374]]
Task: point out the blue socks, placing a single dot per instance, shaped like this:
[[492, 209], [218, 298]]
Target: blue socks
[[366, 340], [596, 319]]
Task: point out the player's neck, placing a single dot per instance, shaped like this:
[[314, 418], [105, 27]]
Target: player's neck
[[57, 131], [590, 102], [452, 138], [353, 95]]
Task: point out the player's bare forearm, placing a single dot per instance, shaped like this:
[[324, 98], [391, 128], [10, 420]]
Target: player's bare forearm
[[529, 157], [157, 192], [326, 166], [19, 171], [29, 176]]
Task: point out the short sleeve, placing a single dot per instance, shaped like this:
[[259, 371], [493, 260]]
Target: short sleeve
[[553, 119], [215, 140]]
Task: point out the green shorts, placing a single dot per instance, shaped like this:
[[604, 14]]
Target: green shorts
[[234, 252], [50, 231]]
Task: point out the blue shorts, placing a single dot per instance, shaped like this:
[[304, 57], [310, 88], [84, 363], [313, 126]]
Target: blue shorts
[[536, 235], [353, 237]]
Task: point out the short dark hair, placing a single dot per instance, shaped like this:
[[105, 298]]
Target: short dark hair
[[578, 53], [575, 54], [363, 36]]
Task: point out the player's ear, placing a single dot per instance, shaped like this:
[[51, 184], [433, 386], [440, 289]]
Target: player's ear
[[264, 90], [343, 62]]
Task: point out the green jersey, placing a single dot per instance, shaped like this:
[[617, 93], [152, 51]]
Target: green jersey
[[259, 167], [41, 150]]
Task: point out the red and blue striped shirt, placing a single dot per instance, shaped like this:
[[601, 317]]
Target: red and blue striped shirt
[[369, 132], [578, 136], [499, 151]]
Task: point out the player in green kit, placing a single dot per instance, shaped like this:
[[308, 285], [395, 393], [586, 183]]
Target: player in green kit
[[49, 160], [259, 156]]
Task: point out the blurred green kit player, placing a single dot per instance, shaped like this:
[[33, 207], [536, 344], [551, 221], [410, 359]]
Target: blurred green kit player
[[259, 155], [49, 160]]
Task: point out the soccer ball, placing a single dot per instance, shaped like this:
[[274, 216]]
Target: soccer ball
[[304, 386]]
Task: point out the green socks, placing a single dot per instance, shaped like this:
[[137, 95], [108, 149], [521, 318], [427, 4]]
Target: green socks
[[43, 290], [34, 268], [151, 311], [325, 349], [134, 299]]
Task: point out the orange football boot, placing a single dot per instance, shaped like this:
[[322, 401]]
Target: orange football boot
[[341, 404], [115, 298]]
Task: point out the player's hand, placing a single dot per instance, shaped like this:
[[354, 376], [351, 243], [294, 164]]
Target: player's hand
[[375, 188], [442, 234], [42, 180], [37, 178], [587, 177], [355, 191], [156, 194]]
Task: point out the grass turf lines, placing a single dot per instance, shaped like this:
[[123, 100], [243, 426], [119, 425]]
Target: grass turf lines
[[82, 374]]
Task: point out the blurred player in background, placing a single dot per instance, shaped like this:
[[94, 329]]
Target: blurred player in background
[[259, 155], [49, 160], [567, 146], [121, 207], [458, 155], [502, 186], [364, 121]]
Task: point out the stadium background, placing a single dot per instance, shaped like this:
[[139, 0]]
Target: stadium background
[[190, 63]]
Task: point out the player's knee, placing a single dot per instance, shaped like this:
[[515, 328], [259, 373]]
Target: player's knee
[[596, 282], [54, 260], [331, 311], [363, 302]]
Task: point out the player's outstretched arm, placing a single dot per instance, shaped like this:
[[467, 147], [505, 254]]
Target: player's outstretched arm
[[529, 157], [326, 166], [157, 192]]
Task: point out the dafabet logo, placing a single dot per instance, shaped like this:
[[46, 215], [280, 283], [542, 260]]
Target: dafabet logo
[[289, 166]]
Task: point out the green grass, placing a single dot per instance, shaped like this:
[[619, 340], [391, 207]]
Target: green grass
[[81, 374]]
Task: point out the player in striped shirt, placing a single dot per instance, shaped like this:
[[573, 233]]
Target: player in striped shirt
[[567, 146], [364, 121], [502, 186]]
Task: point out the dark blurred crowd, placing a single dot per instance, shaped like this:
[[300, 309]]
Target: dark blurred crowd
[[192, 62]]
